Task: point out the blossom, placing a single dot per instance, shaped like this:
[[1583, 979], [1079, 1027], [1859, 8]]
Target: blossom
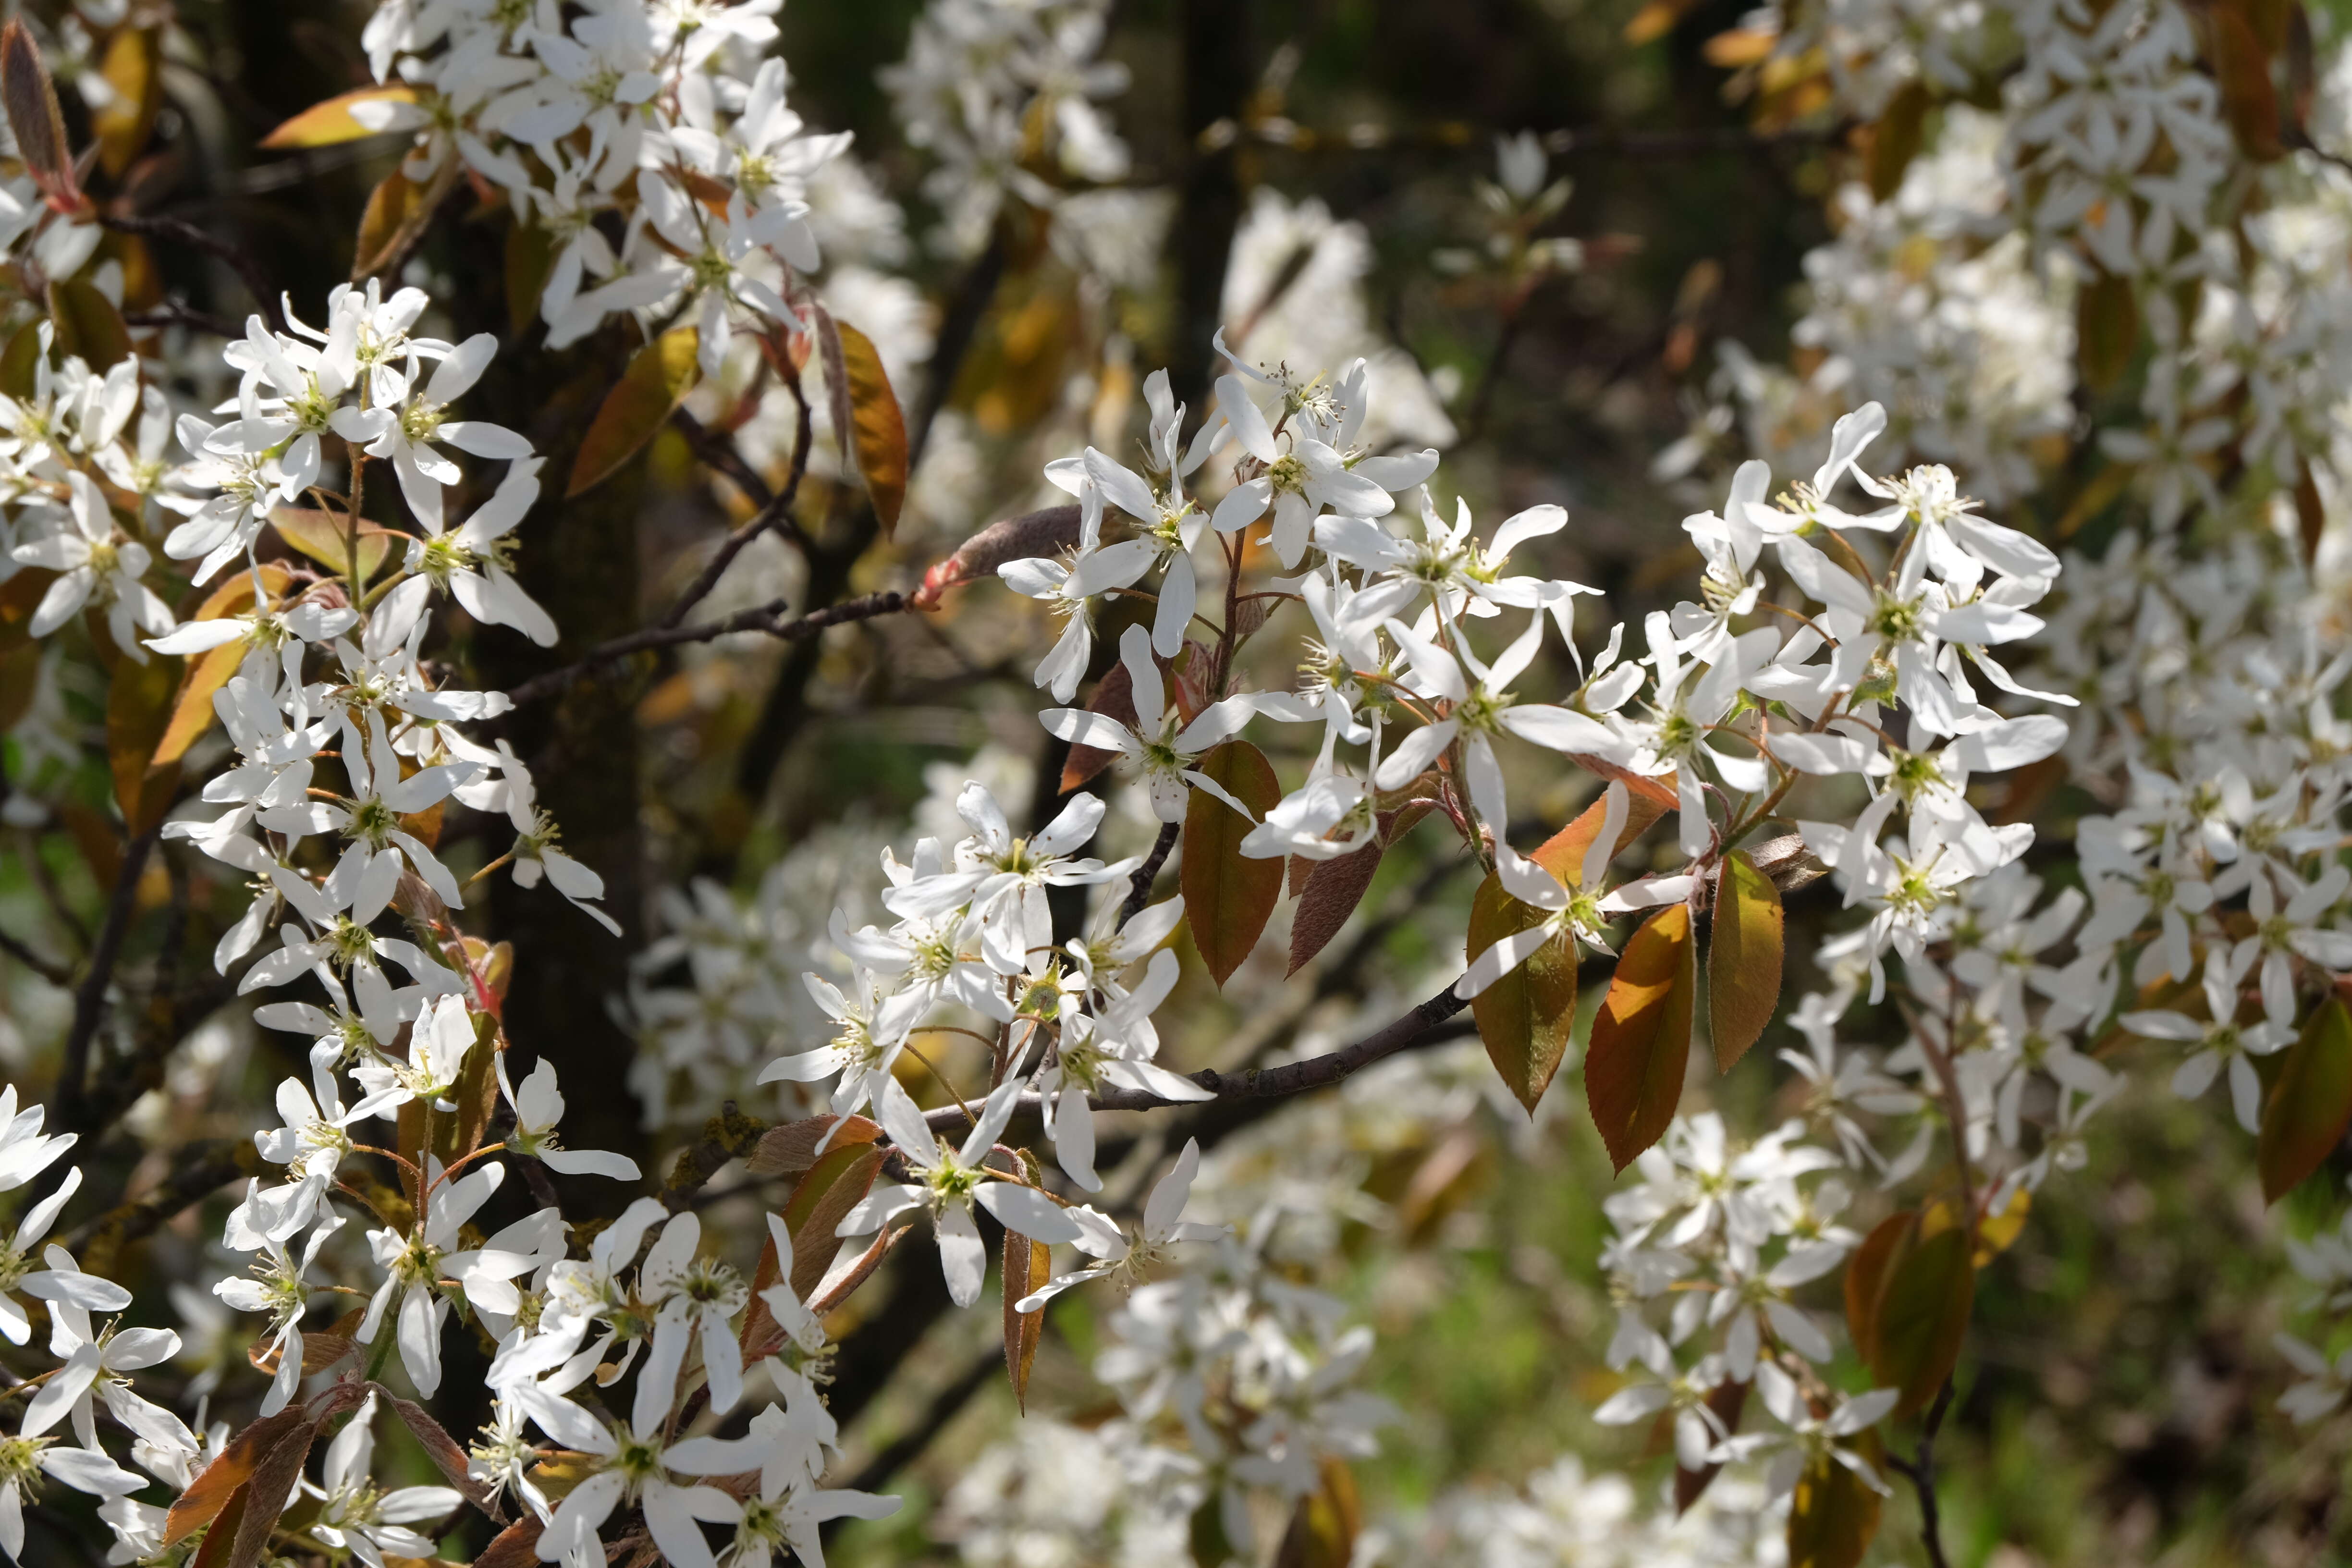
[[951, 1180], [94, 563]]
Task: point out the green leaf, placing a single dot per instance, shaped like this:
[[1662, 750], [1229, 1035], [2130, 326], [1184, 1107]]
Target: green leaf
[[88, 324], [530, 258], [880, 428], [1743, 958], [1641, 1038], [2107, 328], [1524, 1018], [320, 536], [1228, 895], [1027, 1266], [1895, 140], [659, 376], [2310, 1105], [1835, 1514], [325, 123]]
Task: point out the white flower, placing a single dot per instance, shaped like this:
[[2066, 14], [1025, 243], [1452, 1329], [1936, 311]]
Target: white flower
[[1128, 1255], [952, 1179], [538, 1107], [94, 563], [1162, 741]]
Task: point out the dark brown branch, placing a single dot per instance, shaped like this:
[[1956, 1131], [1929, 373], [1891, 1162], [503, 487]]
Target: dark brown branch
[[1415, 1028], [240, 261], [90, 998], [775, 509], [56, 975], [766, 618], [175, 313], [1922, 1474], [198, 1171], [1138, 887]]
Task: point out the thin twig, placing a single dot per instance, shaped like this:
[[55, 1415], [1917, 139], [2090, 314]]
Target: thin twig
[[240, 261], [1138, 887], [1922, 1474], [89, 999], [766, 618], [178, 313], [56, 975], [775, 510], [1416, 1027]]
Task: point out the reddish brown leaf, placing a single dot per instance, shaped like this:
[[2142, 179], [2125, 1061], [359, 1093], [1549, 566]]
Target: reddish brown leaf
[[1044, 533], [31, 101], [209, 1493], [1926, 1286], [87, 323], [1228, 896], [1727, 1400], [442, 1451], [834, 1186], [792, 1148], [516, 1546], [1641, 1038], [1114, 698]]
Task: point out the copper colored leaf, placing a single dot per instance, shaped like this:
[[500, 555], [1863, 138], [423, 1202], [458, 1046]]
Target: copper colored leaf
[[516, 1546], [192, 710], [1743, 958], [1114, 698], [88, 324], [659, 376], [1641, 1038], [132, 67], [1027, 1266], [1563, 853], [2311, 1104], [139, 702], [792, 1148], [442, 1451], [834, 1186], [1865, 1281], [213, 1550], [833, 364], [321, 536], [209, 1493], [1324, 1526], [1524, 1018], [327, 122], [1922, 1315], [1834, 1515], [31, 101], [1227, 895], [393, 208], [880, 428]]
